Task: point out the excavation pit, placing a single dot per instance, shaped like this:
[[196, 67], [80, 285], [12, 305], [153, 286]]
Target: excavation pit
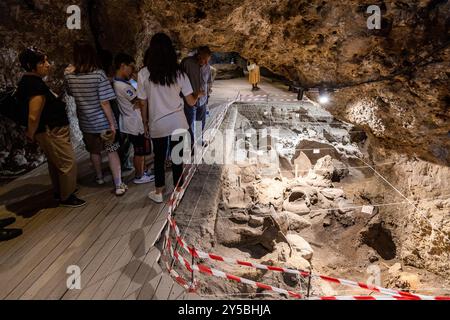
[[380, 239], [292, 196]]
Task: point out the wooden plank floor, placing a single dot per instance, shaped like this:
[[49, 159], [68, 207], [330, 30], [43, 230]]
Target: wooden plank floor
[[111, 240]]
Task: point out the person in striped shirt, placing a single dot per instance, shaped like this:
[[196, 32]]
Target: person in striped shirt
[[92, 91]]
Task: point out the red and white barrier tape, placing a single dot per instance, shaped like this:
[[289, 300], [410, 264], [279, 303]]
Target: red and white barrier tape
[[178, 194], [213, 272], [187, 285], [362, 298], [211, 256], [371, 298], [220, 274], [179, 279]]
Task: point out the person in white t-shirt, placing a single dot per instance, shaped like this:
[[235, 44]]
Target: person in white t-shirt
[[161, 87], [130, 121]]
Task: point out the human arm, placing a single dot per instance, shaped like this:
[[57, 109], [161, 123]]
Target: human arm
[[106, 94], [192, 99], [143, 106], [190, 96], [142, 101], [70, 69], [67, 72], [36, 105], [106, 106], [210, 82]]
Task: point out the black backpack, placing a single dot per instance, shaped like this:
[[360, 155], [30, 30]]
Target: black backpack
[[11, 108]]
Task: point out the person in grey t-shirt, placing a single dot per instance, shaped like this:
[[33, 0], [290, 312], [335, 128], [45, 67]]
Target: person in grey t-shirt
[[199, 72]]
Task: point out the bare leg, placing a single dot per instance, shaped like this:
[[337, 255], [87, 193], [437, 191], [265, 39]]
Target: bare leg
[[96, 160], [139, 165], [116, 169]]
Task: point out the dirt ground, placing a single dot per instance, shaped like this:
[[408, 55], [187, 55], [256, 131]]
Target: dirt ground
[[318, 205]]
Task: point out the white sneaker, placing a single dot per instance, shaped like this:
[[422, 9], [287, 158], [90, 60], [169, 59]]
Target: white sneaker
[[121, 190], [158, 198], [100, 181], [149, 173], [144, 179]]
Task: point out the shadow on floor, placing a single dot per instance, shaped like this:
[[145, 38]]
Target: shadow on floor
[[26, 201]]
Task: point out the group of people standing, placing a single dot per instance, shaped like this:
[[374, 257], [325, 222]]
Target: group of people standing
[[166, 99], [155, 110]]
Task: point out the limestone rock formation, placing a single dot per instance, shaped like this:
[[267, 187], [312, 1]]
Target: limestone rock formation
[[295, 222], [393, 84], [402, 68], [332, 193], [228, 71], [298, 39], [41, 24], [301, 246]]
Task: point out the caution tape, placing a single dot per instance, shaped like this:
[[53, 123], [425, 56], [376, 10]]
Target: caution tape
[[179, 279], [362, 298], [391, 294], [187, 285], [215, 257], [178, 194], [371, 298], [220, 274]]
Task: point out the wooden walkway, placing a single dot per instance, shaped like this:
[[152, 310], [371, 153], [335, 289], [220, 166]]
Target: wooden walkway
[[111, 240]]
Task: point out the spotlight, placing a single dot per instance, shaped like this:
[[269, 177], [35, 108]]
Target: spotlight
[[324, 97]]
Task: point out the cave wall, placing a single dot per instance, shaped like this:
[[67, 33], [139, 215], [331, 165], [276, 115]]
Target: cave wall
[[40, 23], [312, 42], [326, 43]]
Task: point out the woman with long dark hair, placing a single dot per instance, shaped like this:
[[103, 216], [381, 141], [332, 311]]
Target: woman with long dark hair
[[92, 91], [161, 87]]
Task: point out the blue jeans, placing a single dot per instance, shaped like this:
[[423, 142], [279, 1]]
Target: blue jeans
[[193, 116]]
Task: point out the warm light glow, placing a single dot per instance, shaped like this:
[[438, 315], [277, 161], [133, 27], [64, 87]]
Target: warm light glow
[[324, 99]]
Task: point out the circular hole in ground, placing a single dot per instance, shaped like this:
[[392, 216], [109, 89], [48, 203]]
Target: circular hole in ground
[[297, 196], [380, 239]]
